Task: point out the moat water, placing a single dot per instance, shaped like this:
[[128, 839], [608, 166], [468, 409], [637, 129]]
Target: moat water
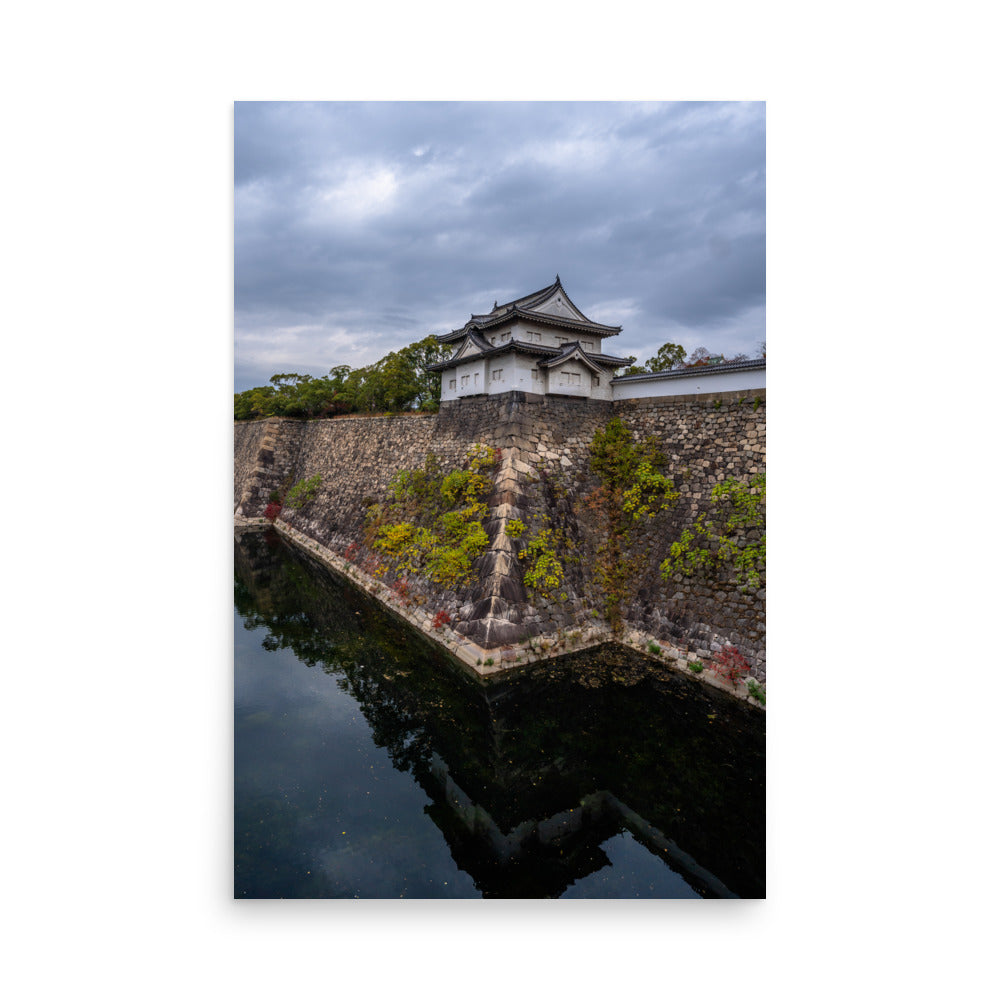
[[367, 765]]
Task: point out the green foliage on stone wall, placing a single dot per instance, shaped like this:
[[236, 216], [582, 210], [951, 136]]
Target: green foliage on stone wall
[[432, 523], [633, 492], [515, 527], [731, 537], [544, 570], [302, 492]]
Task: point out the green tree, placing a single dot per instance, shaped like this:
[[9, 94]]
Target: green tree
[[338, 375], [420, 354], [254, 403], [667, 357], [399, 381]]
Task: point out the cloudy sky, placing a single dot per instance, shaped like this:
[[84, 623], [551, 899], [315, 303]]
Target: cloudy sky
[[360, 228]]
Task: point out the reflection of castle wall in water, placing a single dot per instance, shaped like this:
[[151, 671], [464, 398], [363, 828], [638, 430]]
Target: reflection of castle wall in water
[[533, 772], [585, 825]]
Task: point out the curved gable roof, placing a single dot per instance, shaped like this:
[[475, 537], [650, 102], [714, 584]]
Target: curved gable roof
[[575, 352], [473, 344], [598, 362], [550, 305]]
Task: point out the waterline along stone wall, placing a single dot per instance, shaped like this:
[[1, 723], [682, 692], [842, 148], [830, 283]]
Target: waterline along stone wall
[[541, 478]]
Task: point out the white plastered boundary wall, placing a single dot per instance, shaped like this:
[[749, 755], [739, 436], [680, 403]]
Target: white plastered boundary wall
[[475, 376], [688, 385]]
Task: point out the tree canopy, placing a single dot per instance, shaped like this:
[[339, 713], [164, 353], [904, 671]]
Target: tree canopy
[[674, 356], [394, 383]]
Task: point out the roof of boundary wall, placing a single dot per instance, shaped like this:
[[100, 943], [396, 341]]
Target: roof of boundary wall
[[699, 371]]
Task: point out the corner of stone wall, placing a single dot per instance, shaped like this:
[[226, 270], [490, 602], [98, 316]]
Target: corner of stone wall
[[544, 468]]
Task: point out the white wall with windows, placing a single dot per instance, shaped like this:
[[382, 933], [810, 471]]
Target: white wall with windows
[[529, 333], [507, 372], [574, 378], [465, 379]]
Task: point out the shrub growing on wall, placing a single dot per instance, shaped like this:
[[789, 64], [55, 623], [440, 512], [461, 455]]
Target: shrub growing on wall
[[302, 492], [732, 537], [432, 523], [632, 493]]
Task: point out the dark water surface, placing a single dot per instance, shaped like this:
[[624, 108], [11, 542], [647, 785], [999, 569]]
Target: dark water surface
[[368, 765]]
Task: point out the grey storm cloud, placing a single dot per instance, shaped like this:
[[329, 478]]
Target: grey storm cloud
[[360, 228]]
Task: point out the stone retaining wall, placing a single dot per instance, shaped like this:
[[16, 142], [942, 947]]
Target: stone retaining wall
[[543, 473], [707, 439]]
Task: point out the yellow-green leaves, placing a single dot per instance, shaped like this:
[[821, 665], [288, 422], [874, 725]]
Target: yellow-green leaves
[[649, 493], [434, 526], [734, 537], [544, 572]]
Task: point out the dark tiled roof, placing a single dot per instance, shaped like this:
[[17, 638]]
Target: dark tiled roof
[[523, 308], [728, 366], [539, 350], [568, 351], [528, 301]]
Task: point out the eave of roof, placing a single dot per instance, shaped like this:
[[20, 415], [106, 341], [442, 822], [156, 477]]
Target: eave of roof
[[572, 350], [731, 366], [522, 308], [542, 350], [526, 301], [490, 321]]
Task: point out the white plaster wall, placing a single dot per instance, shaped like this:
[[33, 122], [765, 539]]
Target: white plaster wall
[[467, 368], [557, 385], [551, 338], [467, 348], [516, 374], [692, 384], [605, 389], [556, 305], [495, 337], [504, 364], [446, 391]]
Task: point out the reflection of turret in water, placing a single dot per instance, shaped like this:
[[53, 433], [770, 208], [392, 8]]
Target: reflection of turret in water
[[543, 857]]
